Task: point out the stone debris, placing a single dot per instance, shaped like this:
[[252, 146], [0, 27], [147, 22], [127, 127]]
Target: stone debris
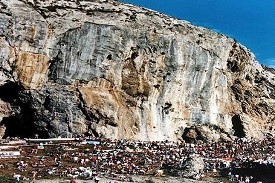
[[193, 167], [121, 159], [9, 154]]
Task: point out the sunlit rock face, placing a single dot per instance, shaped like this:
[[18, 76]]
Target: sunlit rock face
[[112, 70]]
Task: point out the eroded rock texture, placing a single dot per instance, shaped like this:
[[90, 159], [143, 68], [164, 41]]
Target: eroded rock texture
[[107, 69]]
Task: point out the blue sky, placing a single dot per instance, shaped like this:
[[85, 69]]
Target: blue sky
[[250, 22]]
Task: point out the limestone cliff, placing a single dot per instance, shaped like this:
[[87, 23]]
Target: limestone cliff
[[109, 69]]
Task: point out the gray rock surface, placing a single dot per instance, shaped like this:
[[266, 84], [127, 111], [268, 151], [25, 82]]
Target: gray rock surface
[[193, 167], [118, 71]]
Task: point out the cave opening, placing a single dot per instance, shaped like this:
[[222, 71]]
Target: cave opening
[[9, 91], [21, 122], [238, 126], [192, 135]]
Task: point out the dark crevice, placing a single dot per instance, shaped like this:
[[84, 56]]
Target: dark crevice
[[111, 123], [238, 126], [134, 55], [92, 132], [259, 80], [133, 17], [248, 78], [9, 92], [157, 86], [233, 66], [109, 57], [262, 107], [167, 106], [53, 68], [47, 103]]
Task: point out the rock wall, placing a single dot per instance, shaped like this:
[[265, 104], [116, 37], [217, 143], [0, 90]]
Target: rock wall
[[108, 69]]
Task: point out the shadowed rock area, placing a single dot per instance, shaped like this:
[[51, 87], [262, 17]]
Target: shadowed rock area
[[113, 70]]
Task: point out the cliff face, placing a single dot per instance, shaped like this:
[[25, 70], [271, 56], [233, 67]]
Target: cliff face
[[108, 69]]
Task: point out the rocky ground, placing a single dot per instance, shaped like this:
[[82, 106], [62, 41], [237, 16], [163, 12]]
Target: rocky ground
[[137, 179], [143, 179], [129, 161]]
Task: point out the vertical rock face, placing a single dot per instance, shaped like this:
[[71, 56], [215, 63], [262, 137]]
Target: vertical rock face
[[108, 69]]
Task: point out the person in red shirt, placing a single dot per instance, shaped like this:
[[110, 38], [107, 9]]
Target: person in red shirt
[[73, 180]]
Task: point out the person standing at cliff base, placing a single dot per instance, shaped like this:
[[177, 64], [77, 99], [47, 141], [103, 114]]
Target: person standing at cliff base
[[73, 180]]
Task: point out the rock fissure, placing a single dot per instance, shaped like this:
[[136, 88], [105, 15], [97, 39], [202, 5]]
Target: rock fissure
[[238, 126]]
